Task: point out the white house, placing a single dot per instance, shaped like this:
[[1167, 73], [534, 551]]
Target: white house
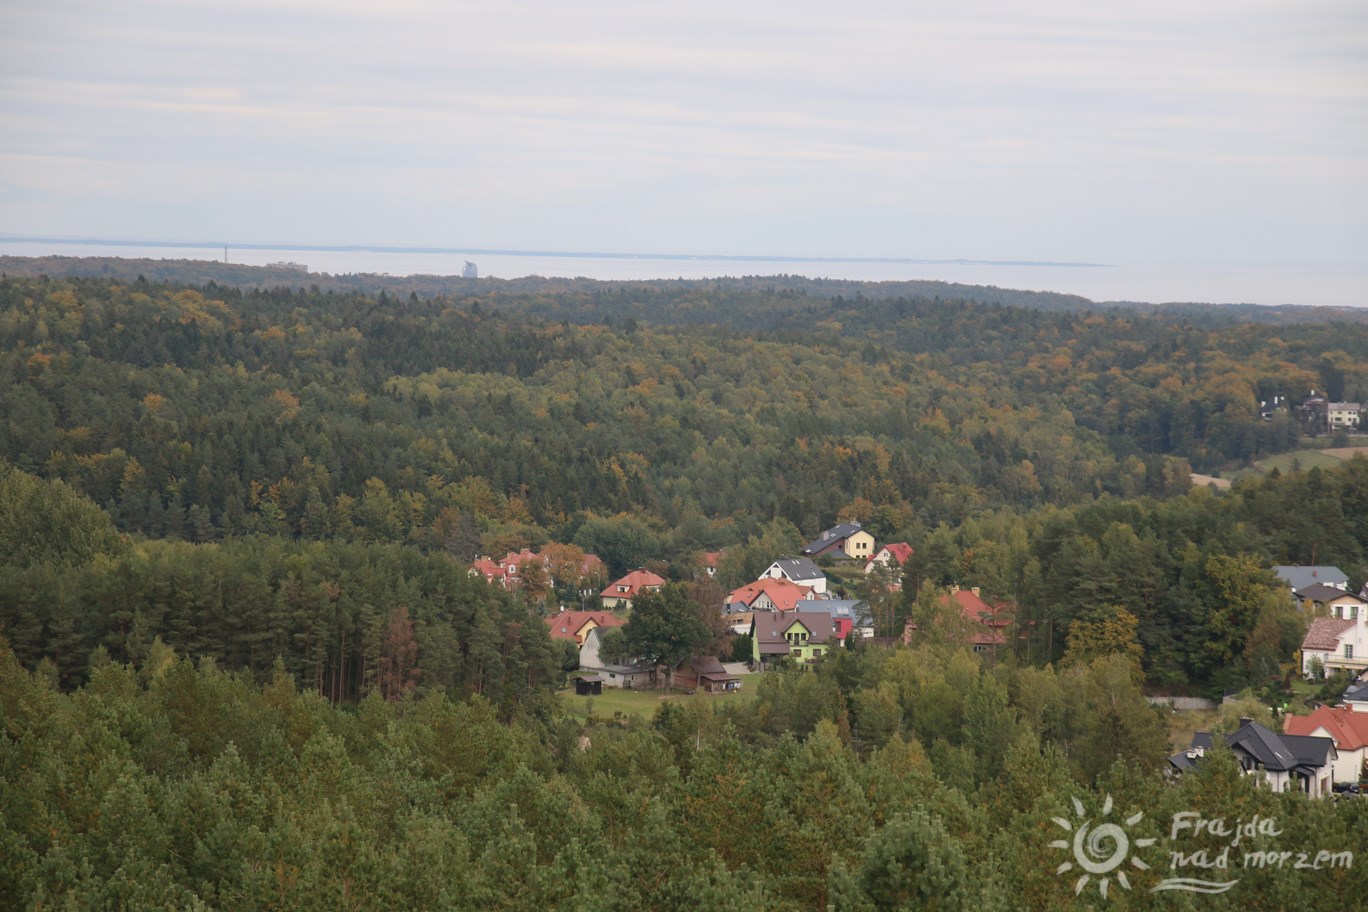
[[1301, 763], [799, 570], [1340, 641], [1348, 729]]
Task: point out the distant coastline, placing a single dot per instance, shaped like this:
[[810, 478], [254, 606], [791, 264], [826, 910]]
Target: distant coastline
[[573, 254]]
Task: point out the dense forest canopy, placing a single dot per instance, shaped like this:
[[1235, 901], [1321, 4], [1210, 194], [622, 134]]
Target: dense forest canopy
[[243, 665]]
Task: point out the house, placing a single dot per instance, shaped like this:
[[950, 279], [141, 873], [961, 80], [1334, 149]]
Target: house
[[621, 593], [766, 594], [613, 674], [1356, 697], [805, 636], [1344, 415], [1338, 642], [588, 685], [705, 673], [1301, 577], [489, 569], [576, 625], [1322, 599], [985, 625], [845, 541], [894, 556], [1349, 731], [799, 570], [1302, 763], [710, 561], [739, 622], [849, 617]]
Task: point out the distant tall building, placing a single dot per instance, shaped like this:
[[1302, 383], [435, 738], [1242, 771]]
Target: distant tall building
[[470, 272]]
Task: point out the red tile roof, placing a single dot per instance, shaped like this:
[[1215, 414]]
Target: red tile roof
[[782, 592], [1348, 728], [568, 624], [1325, 634], [633, 583]]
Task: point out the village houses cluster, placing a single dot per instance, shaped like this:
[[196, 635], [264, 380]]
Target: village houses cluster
[[1326, 751], [791, 614]]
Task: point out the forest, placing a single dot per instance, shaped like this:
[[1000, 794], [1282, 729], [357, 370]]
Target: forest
[[244, 666]]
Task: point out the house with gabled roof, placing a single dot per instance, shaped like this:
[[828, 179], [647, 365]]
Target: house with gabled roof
[[890, 555], [1356, 697], [849, 617], [1301, 576], [705, 673], [799, 570], [843, 541], [575, 625], [619, 594], [1338, 642], [803, 636], [1302, 763], [766, 594], [985, 625], [489, 569], [1349, 731]]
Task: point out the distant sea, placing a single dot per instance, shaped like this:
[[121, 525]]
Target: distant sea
[[1336, 285]]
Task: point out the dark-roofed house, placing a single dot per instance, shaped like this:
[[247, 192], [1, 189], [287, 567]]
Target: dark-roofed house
[[799, 570], [844, 541], [588, 685], [1299, 577], [802, 635], [705, 673], [850, 617], [1356, 697], [1302, 763]]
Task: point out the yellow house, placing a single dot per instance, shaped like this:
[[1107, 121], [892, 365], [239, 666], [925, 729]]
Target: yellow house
[[845, 541]]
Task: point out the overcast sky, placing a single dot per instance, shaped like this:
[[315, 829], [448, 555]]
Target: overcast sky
[[1079, 130]]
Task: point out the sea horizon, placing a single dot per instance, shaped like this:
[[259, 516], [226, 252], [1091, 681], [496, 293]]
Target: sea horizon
[[1332, 285]]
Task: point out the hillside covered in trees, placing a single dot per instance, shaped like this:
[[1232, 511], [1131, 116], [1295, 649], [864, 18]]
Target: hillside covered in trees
[[243, 664]]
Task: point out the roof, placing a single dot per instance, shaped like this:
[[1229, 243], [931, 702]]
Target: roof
[[589, 679], [976, 609], [855, 609], [798, 568], [898, 551], [831, 538], [770, 627], [634, 583], [707, 667], [1348, 728], [1321, 592], [1298, 577], [1325, 633], [782, 592], [1357, 693], [1268, 749], [568, 624]]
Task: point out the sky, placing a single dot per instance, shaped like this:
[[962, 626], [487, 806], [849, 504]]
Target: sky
[[1062, 130]]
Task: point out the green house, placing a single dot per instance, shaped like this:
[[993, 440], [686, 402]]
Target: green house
[[801, 635]]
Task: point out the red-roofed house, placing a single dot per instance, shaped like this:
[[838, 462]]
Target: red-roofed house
[[987, 628], [492, 572], [1336, 643], [895, 554], [767, 594], [575, 625], [1349, 731], [621, 593]]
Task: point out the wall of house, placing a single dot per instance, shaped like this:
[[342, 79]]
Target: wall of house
[[860, 545]]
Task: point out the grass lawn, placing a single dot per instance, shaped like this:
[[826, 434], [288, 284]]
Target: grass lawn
[[641, 703]]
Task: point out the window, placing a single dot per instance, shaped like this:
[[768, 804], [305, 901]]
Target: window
[[1348, 650]]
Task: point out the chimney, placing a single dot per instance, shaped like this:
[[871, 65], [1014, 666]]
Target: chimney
[[975, 590], [1245, 721]]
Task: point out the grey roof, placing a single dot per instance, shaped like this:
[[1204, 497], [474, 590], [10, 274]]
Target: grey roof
[[769, 627], [1357, 693], [831, 536], [1300, 577], [1322, 592], [855, 609], [799, 568], [1268, 749]]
